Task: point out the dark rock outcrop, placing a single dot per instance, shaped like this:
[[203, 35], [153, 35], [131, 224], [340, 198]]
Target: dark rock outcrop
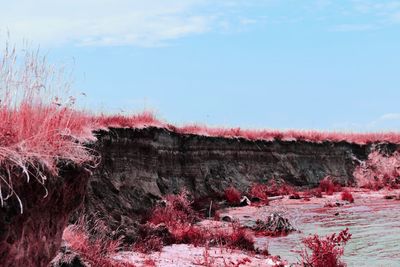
[[34, 237], [141, 165]]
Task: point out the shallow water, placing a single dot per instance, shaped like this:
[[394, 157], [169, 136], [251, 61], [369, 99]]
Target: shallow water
[[374, 223]]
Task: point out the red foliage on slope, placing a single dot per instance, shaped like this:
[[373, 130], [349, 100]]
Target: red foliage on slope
[[326, 251], [232, 195]]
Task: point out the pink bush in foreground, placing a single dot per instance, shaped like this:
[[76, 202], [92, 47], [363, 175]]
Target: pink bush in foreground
[[347, 196], [325, 251]]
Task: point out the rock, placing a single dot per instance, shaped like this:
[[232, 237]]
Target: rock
[[244, 201], [67, 258], [389, 197], [337, 203], [34, 237], [255, 199], [227, 218], [294, 196]]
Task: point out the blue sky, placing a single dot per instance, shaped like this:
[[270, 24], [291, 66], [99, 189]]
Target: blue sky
[[316, 64]]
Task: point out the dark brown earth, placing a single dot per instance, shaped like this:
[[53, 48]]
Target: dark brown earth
[[139, 166], [34, 237]]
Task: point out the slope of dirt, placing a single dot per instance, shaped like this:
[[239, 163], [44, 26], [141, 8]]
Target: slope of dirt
[[34, 237], [141, 165]]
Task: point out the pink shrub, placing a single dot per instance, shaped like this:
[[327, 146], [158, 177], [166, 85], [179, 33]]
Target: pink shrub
[[325, 251], [347, 196], [237, 238], [279, 189], [176, 210], [259, 191], [149, 263], [232, 195], [176, 219], [272, 188], [328, 186]]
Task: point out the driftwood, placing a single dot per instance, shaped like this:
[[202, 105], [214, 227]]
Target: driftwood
[[275, 198]]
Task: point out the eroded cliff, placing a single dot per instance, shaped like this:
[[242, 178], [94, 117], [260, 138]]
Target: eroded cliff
[[141, 165], [34, 237]]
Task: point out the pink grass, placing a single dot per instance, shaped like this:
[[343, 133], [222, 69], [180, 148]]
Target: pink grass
[[38, 129], [148, 119]]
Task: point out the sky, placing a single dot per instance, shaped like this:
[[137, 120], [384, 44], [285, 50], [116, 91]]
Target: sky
[[312, 64]]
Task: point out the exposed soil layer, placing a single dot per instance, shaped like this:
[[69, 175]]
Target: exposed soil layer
[[139, 166], [34, 237]]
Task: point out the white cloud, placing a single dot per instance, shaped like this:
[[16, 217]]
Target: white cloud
[[385, 122], [390, 116], [353, 27], [386, 11], [119, 22], [106, 22]]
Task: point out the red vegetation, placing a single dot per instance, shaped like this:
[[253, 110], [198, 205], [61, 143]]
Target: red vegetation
[[173, 223], [149, 263], [140, 120], [326, 251], [149, 244], [175, 209], [279, 189], [259, 191], [272, 188], [232, 195], [328, 186], [347, 196], [291, 135], [95, 252]]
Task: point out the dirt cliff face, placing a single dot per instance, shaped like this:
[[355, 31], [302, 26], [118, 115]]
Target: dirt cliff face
[[34, 237], [140, 165]]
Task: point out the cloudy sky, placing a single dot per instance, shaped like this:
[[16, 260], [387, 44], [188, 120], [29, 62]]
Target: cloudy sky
[[320, 64]]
